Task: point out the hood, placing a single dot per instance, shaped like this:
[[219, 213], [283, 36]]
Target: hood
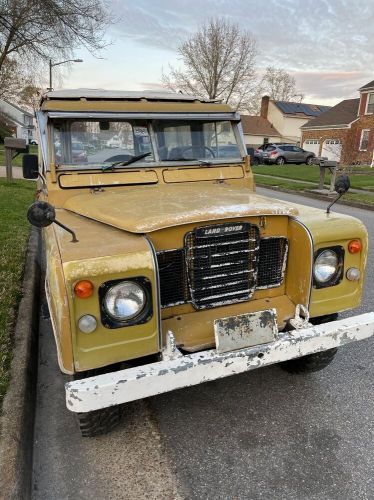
[[150, 208]]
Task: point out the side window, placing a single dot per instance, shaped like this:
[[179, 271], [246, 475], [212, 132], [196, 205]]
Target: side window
[[297, 149]]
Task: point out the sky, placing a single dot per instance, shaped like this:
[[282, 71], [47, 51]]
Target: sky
[[327, 45]]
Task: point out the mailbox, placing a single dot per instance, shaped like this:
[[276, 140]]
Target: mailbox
[[18, 145]]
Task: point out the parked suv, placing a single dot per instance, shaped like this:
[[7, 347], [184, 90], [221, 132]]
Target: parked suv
[[287, 153]]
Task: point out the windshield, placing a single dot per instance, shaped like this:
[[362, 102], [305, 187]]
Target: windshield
[[97, 142], [93, 142], [187, 140]]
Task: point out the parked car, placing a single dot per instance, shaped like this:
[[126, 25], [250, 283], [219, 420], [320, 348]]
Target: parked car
[[256, 157], [114, 142], [287, 153]]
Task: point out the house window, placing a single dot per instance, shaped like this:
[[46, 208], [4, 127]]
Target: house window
[[370, 105], [266, 140], [364, 140]]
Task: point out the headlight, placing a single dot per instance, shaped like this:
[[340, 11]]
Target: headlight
[[326, 266], [125, 300]]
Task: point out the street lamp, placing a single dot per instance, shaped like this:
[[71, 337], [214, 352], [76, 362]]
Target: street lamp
[[51, 64]]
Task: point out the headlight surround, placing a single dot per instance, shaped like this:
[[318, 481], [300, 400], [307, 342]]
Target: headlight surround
[[125, 302], [328, 267]]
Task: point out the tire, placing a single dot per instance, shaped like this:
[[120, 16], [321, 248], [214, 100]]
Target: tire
[[254, 162], [98, 422], [280, 160], [312, 362], [309, 160]]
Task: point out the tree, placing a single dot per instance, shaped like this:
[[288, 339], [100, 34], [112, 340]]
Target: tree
[[30, 96], [11, 79], [279, 85], [218, 63], [43, 29]]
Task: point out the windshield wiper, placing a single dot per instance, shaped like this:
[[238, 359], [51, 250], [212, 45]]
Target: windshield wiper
[[124, 163], [202, 162]]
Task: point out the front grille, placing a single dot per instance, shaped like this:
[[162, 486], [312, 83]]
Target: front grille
[[173, 278], [221, 264], [272, 261]]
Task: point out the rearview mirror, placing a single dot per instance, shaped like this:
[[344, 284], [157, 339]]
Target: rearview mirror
[[30, 168]]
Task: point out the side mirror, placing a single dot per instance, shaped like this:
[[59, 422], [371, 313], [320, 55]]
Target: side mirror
[[42, 214], [342, 184], [30, 168]]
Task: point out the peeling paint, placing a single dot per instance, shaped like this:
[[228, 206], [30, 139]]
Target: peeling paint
[[163, 376]]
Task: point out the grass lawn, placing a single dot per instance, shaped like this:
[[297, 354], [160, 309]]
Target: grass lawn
[[17, 161], [284, 176], [363, 179], [15, 197]]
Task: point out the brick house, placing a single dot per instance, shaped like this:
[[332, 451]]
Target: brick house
[[344, 133]]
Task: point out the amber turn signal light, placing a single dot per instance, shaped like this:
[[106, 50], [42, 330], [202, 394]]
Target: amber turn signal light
[[354, 246], [83, 289]]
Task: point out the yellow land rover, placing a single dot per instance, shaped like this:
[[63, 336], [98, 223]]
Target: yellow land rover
[[164, 268]]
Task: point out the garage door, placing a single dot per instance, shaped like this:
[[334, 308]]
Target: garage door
[[312, 145], [332, 148]]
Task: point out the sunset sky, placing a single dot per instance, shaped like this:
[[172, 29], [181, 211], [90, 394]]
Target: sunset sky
[[327, 45]]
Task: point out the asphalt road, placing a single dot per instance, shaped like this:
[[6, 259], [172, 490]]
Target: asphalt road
[[261, 435]]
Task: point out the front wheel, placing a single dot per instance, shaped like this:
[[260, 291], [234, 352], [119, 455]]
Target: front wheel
[[309, 160], [280, 161], [98, 422], [310, 363]]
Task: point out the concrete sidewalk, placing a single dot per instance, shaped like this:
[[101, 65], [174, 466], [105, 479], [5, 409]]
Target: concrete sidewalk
[[16, 171]]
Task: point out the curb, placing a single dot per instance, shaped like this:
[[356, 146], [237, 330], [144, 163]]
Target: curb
[[355, 204], [17, 420]]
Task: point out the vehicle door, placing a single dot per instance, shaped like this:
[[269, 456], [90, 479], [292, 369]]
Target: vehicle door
[[289, 154], [299, 154]]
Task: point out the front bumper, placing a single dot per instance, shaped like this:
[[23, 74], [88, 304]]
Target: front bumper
[[177, 371]]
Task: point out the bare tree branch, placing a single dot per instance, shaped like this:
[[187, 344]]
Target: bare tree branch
[[219, 62], [43, 29]]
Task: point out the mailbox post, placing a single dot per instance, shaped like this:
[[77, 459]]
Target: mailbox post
[[13, 147], [324, 164]]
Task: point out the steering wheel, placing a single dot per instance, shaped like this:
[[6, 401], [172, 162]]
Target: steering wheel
[[189, 148]]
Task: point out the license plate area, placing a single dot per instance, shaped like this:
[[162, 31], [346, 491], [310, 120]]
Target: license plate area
[[245, 330]]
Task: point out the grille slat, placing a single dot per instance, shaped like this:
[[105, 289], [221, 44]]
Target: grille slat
[[218, 268], [209, 250]]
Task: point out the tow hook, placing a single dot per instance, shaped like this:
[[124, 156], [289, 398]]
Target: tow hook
[[301, 319]]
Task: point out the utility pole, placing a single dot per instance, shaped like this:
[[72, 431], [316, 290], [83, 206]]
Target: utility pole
[[51, 65]]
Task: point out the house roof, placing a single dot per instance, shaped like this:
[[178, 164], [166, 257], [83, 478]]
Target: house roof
[[24, 111], [257, 125], [343, 113], [368, 86], [300, 108]]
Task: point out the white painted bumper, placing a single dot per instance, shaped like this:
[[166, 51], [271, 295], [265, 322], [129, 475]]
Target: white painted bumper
[[156, 378]]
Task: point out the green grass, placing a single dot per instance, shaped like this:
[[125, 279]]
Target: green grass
[[286, 181], [17, 161], [14, 229], [361, 177]]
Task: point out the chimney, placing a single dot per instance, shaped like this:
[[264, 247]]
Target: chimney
[[264, 106]]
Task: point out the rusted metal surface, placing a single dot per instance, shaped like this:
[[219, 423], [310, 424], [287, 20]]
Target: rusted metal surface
[[245, 330], [149, 208], [156, 378]]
